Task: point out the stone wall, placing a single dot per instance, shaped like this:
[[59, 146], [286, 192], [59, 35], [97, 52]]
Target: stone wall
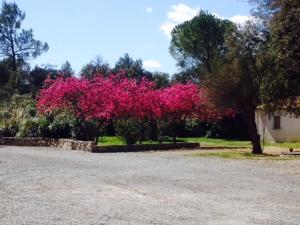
[[47, 142], [89, 146], [66, 144]]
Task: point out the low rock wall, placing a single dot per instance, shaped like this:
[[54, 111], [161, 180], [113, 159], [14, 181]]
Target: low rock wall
[[47, 142], [89, 146], [66, 144]]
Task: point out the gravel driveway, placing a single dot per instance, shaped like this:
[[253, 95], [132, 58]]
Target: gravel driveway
[[49, 186]]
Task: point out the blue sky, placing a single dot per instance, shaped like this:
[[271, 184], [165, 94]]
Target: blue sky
[[79, 30]]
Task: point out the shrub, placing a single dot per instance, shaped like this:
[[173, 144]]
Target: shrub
[[85, 130], [127, 130], [29, 128], [15, 112], [9, 131], [61, 125]]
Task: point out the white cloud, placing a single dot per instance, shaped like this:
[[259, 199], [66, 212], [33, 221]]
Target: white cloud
[[152, 64], [181, 13], [149, 10], [178, 14], [167, 28], [241, 20]]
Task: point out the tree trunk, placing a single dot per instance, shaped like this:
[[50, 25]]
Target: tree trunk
[[98, 131], [13, 54], [174, 133], [14, 63], [253, 133], [174, 138], [159, 137]]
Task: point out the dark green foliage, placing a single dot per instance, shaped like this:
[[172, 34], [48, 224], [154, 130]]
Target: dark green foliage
[[132, 130], [161, 79], [85, 130], [29, 128], [223, 59], [4, 71], [18, 117], [5, 75], [16, 43], [237, 79], [66, 70], [9, 131], [186, 75], [131, 68], [36, 77], [197, 43], [43, 124], [65, 125], [283, 54], [58, 126], [227, 128], [15, 112], [94, 68]]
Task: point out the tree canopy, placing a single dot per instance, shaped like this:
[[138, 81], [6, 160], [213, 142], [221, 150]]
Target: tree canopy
[[224, 59], [198, 42], [237, 79], [95, 67], [246, 66], [16, 43], [131, 68], [282, 52]]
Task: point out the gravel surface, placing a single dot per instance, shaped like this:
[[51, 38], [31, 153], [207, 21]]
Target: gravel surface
[[49, 186]]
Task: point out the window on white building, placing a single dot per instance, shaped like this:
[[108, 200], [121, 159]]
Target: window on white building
[[277, 124]]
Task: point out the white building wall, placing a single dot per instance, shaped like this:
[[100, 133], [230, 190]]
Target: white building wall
[[289, 127]]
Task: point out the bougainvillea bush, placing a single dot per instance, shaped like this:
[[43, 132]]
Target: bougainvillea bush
[[117, 99]]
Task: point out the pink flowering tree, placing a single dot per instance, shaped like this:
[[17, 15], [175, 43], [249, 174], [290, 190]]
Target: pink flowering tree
[[132, 108], [65, 95], [178, 103], [126, 102], [101, 101]]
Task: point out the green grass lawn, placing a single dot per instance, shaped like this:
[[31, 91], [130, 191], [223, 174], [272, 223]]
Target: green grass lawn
[[215, 142], [110, 140], [113, 140], [229, 155], [206, 142], [284, 145]]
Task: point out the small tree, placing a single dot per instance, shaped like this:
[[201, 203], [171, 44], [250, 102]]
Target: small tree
[[133, 108], [180, 102], [66, 95]]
